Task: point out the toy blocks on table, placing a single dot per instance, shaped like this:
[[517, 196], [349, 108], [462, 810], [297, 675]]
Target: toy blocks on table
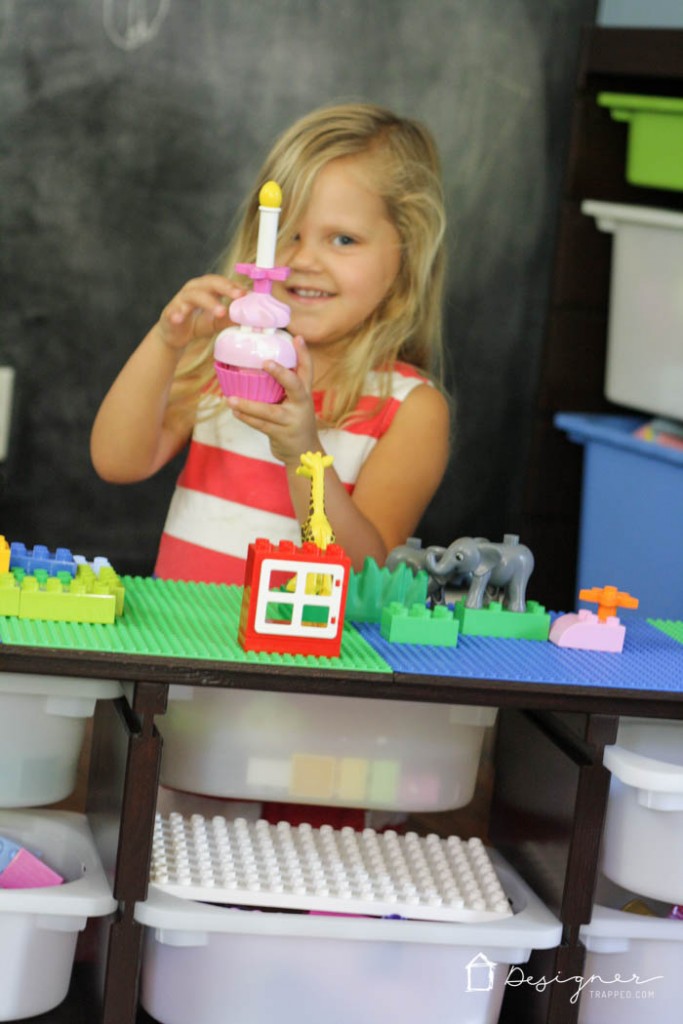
[[608, 599], [496, 621], [39, 557], [62, 598], [294, 599], [436, 627], [584, 631]]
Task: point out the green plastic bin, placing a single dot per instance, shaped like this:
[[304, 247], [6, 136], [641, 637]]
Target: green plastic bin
[[655, 139]]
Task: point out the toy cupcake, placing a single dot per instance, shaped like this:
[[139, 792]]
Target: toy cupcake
[[257, 334]]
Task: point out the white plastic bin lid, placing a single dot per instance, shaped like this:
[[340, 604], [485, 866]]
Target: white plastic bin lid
[[609, 216], [59, 686], [607, 923], [646, 773], [65, 842]]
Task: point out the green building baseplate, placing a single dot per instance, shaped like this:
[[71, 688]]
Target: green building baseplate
[[86, 597], [671, 627], [496, 621], [436, 627], [166, 618]]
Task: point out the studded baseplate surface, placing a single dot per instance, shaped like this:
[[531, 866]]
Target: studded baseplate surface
[[326, 870]]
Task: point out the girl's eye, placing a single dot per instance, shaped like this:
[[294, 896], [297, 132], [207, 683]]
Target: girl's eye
[[343, 240]]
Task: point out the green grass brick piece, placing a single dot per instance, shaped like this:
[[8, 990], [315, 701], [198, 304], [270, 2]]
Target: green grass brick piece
[[436, 627], [373, 588], [496, 621], [165, 618]]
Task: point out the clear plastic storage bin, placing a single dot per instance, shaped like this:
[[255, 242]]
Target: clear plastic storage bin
[[39, 927], [312, 749], [42, 725], [643, 835], [644, 353], [632, 968], [212, 964]]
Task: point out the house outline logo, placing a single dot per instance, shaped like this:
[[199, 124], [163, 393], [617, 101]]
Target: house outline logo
[[480, 973]]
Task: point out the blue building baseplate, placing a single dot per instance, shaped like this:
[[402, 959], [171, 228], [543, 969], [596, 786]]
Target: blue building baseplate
[[651, 660]]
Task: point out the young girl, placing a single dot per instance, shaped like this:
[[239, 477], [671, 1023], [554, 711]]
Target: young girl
[[362, 232]]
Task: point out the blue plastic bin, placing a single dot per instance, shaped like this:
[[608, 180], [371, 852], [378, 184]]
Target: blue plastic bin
[[631, 532]]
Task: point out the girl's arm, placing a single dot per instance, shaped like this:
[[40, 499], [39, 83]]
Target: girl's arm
[[395, 484], [397, 481], [133, 434]]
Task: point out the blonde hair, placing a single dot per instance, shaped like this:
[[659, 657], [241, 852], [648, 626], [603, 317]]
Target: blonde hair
[[406, 172]]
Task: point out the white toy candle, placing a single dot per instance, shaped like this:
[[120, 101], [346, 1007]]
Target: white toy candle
[[270, 199]]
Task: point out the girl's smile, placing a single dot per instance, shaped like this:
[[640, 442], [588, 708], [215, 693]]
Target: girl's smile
[[344, 256]]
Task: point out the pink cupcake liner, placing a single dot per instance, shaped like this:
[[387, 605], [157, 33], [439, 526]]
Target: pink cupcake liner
[[254, 384]]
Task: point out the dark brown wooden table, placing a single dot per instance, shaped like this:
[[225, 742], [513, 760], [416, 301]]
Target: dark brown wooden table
[[567, 726]]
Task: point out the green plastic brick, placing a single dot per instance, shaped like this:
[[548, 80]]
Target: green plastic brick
[[166, 618], [373, 588], [86, 597], [9, 594], [436, 627], [65, 603], [496, 621]]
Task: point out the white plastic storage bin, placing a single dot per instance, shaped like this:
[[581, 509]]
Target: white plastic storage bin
[[312, 749], [643, 835], [213, 964], [644, 354], [632, 970], [42, 724], [39, 927]]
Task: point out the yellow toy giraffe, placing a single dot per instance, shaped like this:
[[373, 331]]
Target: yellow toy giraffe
[[316, 526]]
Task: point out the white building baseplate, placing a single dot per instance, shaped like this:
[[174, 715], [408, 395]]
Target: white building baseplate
[[323, 869]]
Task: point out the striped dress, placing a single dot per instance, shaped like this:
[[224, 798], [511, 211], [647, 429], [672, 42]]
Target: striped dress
[[232, 490]]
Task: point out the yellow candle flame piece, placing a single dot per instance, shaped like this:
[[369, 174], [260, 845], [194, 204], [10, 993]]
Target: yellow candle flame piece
[[270, 195]]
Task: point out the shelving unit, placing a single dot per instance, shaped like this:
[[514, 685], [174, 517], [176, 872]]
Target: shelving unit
[[647, 61], [544, 700]]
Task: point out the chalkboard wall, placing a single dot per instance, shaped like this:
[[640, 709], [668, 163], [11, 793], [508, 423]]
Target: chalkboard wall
[[129, 132]]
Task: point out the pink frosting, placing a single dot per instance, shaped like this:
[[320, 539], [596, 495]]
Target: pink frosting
[[259, 310], [240, 346]]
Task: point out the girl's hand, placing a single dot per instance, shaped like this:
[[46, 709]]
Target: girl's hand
[[291, 426], [199, 310]]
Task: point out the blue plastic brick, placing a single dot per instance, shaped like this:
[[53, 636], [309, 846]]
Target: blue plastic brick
[[39, 557]]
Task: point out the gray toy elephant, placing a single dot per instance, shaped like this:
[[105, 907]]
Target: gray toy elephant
[[414, 556], [508, 566]]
